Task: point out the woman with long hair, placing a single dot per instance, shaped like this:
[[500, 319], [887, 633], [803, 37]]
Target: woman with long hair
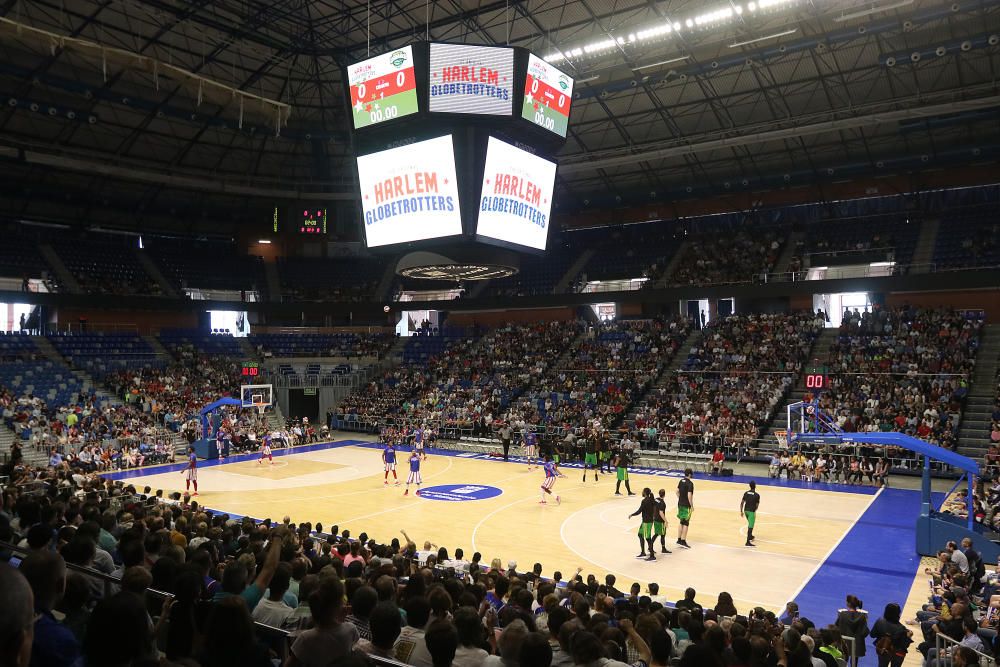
[[891, 638]]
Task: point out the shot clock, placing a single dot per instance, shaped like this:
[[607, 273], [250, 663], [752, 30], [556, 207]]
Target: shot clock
[[251, 369], [817, 377]]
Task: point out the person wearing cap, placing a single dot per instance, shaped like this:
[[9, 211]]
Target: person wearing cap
[[748, 509]]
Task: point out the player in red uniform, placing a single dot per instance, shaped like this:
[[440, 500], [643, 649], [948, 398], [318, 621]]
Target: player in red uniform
[[191, 471]]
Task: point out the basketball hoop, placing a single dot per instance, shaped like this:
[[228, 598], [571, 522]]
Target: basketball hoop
[[260, 406]]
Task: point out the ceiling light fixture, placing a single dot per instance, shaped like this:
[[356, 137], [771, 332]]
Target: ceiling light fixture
[[764, 39], [873, 10], [589, 79]]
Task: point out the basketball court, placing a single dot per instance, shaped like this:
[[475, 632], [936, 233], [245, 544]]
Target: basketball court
[[490, 506]]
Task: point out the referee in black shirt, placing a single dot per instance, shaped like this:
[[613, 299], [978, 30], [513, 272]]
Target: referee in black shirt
[[748, 509]]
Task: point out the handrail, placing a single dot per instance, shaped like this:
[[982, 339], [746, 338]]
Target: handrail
[[944, 644], [276, 636]]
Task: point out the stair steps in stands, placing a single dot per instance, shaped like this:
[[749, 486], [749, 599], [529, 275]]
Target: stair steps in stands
[[273, 281], [65, 276], [86, 381], [671, 267], [153, 271], [574, 270], [923, 252], [157, 346], [666, 372], [247, 348], [385, 284], [974, 429], [788, 252]]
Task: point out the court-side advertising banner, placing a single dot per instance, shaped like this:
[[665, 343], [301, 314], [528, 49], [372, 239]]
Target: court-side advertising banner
[[516, 196], [548, 93], [383, 88], [410, 193], [471, 79]]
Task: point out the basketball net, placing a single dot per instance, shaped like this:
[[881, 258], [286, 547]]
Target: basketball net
[[260, 408]]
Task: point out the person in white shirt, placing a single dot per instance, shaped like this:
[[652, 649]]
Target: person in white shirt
[[410, 646], [272, 610], [469, 629]]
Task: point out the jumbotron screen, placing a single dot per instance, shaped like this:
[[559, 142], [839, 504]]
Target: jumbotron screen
[[383, 88], [516, 196], [471, 79], [548, 94], [410, 193]]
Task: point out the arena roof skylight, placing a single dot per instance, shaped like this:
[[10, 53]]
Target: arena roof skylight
[[715, 17]]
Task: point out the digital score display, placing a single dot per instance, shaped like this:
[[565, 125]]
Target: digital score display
[[410, 193], [251, 369], [817, 377], [516, 196], [548, 94], [383, 88], [313, 221], [471, 79]]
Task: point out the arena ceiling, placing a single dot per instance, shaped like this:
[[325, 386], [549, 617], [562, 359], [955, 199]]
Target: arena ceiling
[[244, 97]]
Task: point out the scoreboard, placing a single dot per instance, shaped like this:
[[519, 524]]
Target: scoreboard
[[383, 88], [251, 369], [313, 221], [817, 377], [456, 144], [548, 93]]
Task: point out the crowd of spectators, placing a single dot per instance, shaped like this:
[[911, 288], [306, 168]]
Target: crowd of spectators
[[734, 379], [607, 369], [904, 370], [740, 257], [345, 601], [468, 385]]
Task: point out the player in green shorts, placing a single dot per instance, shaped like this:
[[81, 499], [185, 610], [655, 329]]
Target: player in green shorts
[[622, 470], [660, 525], [648, 511], [748, 509], [590, 458], [685, 506]]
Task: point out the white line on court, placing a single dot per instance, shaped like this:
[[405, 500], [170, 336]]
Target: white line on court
[[832, 548]]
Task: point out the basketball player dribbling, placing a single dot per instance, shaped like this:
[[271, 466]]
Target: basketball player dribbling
[[551, 473], [389, 462], [265, 450], [191, 472]]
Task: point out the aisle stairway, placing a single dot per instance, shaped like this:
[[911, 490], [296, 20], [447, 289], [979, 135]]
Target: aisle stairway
[[788, 252], [923, 253], [974, 430], [64, 275], [666, 372], [153, 271]]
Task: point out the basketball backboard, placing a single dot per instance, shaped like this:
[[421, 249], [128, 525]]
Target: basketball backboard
[[257, 396]]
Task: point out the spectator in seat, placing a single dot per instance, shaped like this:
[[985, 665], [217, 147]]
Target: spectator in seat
[[119, 634], [17, 617], [272, 610], [509, 646], [688, 602], [718, 460], [328, 640], [232, 641], [470, 637], [362, 603], [410, 647], [385, 625], [234, 577], [53, 644], [441, 639], [535, 651]]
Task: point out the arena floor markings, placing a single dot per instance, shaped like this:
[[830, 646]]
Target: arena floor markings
[[797, 527]]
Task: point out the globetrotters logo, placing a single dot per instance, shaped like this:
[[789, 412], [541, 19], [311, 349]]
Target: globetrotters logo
[[410, 193]]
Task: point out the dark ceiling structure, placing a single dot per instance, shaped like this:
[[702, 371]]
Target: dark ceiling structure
[[173, 112]]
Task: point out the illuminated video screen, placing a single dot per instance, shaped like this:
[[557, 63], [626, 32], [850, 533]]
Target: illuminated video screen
[[410, 193], [471, 79], [516, 196], [548, 94], [383, 88]]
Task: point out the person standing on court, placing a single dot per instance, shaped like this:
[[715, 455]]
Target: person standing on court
[[505, 434], [748, 509], [647, 508], [685, 506]]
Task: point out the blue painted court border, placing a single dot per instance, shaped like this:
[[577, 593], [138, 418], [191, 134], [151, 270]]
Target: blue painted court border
[[876, 561]]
